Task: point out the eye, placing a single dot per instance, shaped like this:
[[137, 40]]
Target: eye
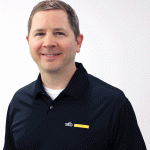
[[39, 34], [59, 33]]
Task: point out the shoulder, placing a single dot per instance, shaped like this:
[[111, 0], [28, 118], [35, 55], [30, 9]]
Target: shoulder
[[24, 93], [26, 89], [102, 91], [98, 84]]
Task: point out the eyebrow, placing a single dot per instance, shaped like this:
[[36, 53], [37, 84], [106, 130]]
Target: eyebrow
[[38, 30], [55, 29], [59, 29]]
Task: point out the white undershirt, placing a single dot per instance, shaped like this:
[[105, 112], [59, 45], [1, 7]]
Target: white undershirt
[[52, 93]]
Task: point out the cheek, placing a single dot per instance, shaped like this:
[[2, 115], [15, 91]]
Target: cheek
[[34, 50], [35, 46], [69, 47]]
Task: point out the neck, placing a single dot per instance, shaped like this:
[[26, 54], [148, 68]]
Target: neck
[[59, 79]]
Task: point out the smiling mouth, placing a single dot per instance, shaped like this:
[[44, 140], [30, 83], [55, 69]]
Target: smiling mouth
[[50, 55]]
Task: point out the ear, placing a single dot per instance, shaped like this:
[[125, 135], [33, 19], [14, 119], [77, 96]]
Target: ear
[[79, 42], [27, 38]]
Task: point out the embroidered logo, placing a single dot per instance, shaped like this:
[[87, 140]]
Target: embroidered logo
[[69, 124]]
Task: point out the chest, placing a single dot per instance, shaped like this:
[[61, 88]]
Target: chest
[[61, 125]]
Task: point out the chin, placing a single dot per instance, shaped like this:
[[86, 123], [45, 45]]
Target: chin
[[52, 69]]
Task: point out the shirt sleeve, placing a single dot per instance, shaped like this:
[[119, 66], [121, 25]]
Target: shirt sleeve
[[126, 134], [9, 140]]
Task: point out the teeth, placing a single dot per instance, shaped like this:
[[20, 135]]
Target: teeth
[[52, 55]]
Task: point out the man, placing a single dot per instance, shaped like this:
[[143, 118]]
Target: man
[[66, 108]]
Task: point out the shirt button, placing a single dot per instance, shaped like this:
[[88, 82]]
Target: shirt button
[[51, 107]]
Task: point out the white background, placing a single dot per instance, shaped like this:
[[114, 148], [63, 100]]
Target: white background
[[116, 49]]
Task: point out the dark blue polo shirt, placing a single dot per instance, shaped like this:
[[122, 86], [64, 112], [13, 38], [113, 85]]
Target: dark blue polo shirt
[[88, 114]]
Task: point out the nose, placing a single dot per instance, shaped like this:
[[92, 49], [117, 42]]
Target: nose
[[49, 41]]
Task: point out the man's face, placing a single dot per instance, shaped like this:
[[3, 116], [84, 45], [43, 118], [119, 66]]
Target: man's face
[[52, 41]]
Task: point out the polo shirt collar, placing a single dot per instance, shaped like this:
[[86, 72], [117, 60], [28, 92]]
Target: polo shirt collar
[[38, 89], [76, 87]]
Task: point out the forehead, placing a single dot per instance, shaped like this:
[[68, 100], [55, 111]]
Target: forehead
[[50, 18]]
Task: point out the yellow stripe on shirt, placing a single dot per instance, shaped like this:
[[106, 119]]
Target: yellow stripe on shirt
[[81, 126]]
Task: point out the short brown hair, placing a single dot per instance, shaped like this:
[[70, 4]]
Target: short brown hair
[[57, 4]]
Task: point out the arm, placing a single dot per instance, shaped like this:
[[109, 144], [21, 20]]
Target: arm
[[126, 134], [9, 140]]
